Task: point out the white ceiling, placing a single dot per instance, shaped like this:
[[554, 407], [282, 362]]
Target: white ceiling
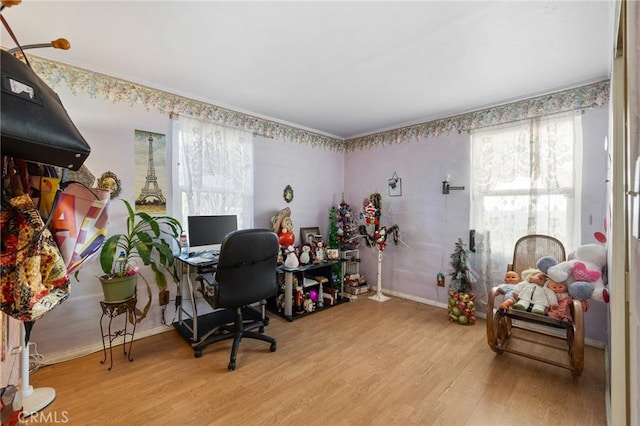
[[343, 69]]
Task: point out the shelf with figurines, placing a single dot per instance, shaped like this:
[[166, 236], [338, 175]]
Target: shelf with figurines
[[307, 279], [314, 288]]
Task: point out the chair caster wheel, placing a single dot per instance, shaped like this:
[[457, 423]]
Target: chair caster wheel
[[272, 348], [197, 353], [261, 329], [266, 321], [232, 365]]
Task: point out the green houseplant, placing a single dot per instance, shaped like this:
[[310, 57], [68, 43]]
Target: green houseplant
[[147, 240]]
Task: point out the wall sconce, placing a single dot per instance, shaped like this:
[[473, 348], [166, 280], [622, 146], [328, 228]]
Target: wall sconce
[[446, 187], [395, 186]]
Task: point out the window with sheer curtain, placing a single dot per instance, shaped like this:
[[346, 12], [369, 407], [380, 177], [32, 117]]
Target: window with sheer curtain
[[215, 170], [526, 179]]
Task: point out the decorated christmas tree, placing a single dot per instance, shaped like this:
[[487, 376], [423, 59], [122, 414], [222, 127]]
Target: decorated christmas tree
[[347, 235], [461, 306], [370, 230], [332, 240], [462, 276], [376, 236]]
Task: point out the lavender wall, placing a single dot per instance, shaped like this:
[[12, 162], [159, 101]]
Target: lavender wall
[[315, 174], [431, 222]]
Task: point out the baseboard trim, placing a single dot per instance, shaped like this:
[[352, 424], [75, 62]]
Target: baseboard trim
[[587, 341], [97, 347]]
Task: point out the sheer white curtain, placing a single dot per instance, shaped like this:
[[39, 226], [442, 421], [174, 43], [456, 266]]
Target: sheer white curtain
[[215, 170], [526, 179]]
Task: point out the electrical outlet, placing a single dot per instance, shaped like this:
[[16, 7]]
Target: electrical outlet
[[164, 297]]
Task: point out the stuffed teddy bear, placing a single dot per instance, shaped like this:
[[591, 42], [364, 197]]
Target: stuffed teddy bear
[[532, 295], [511, 279], [583, 272], [546, 262]]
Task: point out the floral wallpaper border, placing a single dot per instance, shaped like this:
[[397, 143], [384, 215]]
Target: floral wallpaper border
[[583, 97], [117, 90]]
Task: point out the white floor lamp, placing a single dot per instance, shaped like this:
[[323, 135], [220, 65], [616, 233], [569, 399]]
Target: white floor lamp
[[33, 400], [379, 297]]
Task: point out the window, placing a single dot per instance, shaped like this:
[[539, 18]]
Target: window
[[525, 180], [214, 171]]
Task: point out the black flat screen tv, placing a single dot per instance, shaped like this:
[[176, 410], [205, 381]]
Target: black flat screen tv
[[210, 230]]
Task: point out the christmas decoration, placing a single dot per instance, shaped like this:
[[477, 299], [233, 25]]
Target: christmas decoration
[[332, 238], [462, 276], [375, 235], [347, 236], [461, 306]]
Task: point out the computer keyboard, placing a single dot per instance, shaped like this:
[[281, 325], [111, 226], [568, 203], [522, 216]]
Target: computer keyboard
[[204, 257], [210, 255], [205, 253]]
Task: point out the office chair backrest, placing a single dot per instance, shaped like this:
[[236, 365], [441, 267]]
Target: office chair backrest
[[530, 248], [246, 271]]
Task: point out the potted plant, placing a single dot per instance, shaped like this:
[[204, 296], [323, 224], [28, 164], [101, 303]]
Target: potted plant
[[145, 241]]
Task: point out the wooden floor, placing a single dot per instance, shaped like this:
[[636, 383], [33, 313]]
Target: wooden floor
[[361, 363]]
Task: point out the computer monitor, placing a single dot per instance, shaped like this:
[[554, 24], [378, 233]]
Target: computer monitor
[[207, 232]]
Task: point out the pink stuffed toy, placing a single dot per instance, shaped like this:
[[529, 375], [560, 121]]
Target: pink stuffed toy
[[584, 273]]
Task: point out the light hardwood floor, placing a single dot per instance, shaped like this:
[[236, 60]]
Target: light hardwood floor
[[361, 363]]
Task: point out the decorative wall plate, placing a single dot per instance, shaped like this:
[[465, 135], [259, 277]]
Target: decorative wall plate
[[288, 193], [111, 183]]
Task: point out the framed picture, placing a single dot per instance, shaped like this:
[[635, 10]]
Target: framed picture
[[395, 186], [333, 254], [308, 235]]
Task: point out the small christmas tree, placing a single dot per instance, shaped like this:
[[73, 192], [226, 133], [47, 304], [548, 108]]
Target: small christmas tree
[[461, 306], [346, 229], [462, 276], [332, 240]]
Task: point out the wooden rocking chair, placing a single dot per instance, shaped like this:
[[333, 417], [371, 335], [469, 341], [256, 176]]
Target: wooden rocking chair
[[503, 323]]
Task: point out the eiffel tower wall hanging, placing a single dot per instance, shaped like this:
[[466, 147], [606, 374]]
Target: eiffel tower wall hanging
[[151, 173]]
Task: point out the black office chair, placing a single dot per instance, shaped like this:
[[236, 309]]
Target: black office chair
[[246, 274]]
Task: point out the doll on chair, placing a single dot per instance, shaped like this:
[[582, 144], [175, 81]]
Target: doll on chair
[[511, 279], [533, 295]]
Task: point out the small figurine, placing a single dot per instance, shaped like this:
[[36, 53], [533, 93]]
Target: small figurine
[[305, 256], [291, 260], [308, 303], [320, 256], [285, 235], [300, 299]]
